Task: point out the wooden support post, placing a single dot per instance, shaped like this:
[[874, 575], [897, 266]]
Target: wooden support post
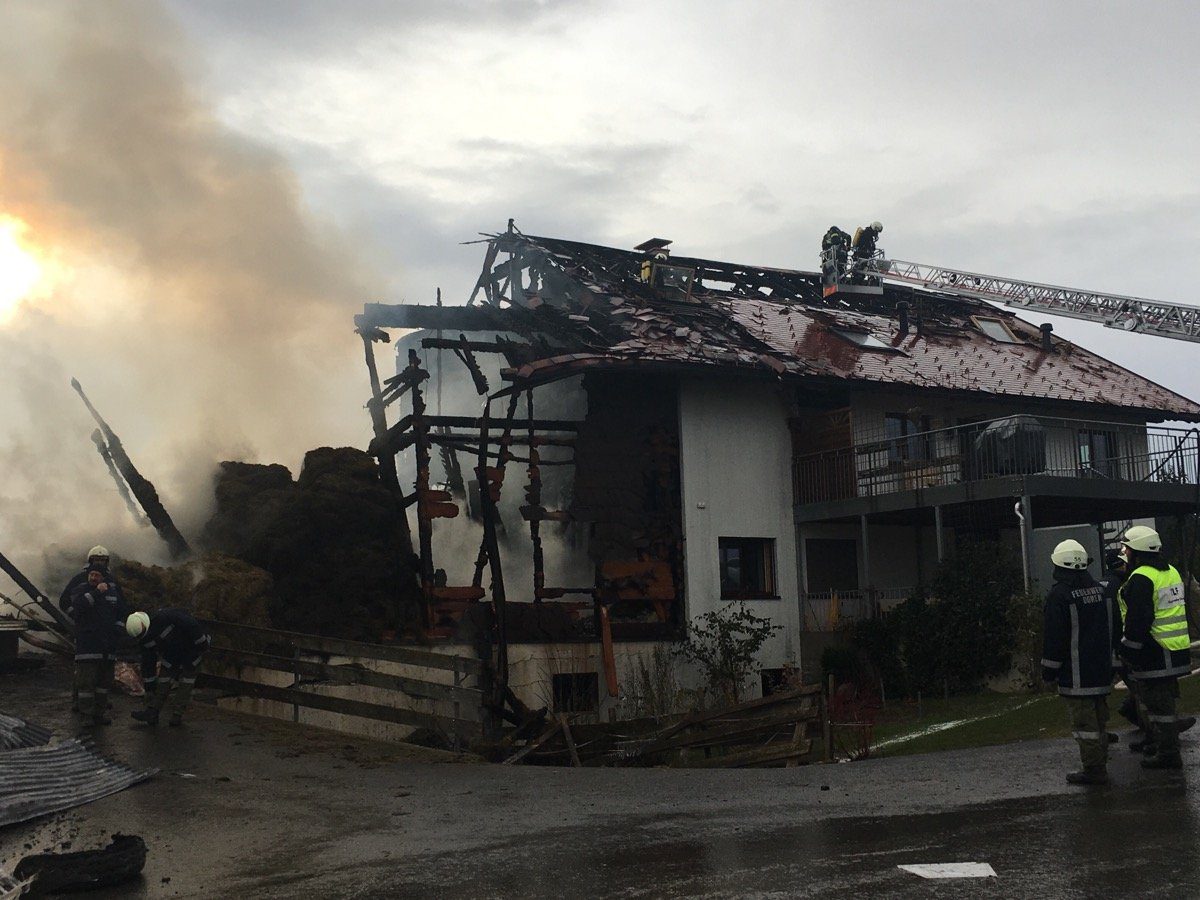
[[570, 739], [937, 527], [533, 497], [424, 522]]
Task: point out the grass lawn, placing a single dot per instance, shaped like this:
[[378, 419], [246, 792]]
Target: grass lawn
[[987, 718]]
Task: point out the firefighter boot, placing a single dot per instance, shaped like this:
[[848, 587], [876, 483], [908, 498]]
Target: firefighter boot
[[1088, 777], [154, 702]]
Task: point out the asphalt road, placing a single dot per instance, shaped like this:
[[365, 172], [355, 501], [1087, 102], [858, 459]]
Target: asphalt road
[[249, 808]]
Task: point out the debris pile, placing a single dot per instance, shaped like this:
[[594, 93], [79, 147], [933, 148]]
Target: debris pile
[[319, 554]]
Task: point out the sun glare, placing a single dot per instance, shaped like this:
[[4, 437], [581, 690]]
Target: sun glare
[[20, 269]]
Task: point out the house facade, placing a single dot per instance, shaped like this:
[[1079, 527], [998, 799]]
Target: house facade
[[662, 436]]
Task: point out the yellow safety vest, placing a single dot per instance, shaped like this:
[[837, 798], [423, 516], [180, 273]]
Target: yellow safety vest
[[1170, 626]]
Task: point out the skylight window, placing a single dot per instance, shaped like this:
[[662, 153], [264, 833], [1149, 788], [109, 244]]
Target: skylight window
[[863, 339], [996, 330]]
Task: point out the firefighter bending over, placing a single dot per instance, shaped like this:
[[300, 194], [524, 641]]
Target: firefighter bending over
[[172, 644]]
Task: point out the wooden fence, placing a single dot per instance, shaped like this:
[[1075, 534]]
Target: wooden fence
[[241, 656]]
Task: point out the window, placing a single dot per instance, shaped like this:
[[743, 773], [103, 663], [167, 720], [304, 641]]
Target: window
[[906, 439], [863, 339], [996, 330], [1098, 454], [576, 692], [747, 568]]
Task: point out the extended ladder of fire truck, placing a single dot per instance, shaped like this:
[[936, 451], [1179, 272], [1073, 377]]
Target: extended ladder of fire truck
[[1137, 314]]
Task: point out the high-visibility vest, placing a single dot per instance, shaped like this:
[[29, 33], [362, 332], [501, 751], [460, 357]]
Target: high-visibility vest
[[1170, 626]]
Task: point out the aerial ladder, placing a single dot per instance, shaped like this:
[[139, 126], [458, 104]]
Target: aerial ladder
[[1126, 313]]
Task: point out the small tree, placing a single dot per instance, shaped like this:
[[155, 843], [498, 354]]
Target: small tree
[[724, 643]]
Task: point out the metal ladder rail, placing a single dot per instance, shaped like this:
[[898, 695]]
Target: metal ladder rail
[[1125, 313]]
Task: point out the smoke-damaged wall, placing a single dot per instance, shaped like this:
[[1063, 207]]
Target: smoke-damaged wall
[[627, 491]]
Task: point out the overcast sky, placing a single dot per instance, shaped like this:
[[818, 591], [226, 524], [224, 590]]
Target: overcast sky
[[228, 180], [1050, 141]]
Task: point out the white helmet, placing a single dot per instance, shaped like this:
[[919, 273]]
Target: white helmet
[[1070, 555], [878, 226], [136, 624], [98, 551], [1142, 539]]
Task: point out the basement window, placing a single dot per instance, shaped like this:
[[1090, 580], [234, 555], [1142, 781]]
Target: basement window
[[863, 339], [996, 330], [747, 568], [576, 692]]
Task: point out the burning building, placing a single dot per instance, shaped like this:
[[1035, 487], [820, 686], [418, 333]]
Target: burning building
[[650, 437]]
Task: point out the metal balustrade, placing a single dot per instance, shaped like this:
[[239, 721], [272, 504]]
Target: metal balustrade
[[1013, 445]]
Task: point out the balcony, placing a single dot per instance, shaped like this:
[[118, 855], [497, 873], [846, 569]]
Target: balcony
[[1145, 470]]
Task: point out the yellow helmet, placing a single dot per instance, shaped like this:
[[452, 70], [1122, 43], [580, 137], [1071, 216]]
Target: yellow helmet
[[1070, 555], [1142, 539]]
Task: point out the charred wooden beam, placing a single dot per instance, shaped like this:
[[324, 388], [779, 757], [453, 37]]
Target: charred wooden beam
[[65, 627], [473, 423], [122, 488], [461, 318], [463, 352], [141, 487], [500, 346]]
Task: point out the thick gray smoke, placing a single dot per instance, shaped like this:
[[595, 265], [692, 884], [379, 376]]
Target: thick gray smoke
[[207, 315]]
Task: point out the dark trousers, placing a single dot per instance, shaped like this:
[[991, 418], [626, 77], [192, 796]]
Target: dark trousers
[[1158, 696], [93, 679], [1089, 720], [172, 689]]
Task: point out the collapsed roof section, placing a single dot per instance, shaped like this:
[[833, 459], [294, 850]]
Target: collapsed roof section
[[581, 306]]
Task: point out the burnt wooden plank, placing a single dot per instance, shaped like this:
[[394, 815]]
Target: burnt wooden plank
[[347, 674], [252, 634], [375, 711]]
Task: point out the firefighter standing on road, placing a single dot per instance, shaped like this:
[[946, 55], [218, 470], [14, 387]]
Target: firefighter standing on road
[[98, 611], [1081, 629], [179, 641], [1155, 642]]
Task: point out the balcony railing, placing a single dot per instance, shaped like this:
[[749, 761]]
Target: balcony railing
[[831, 610], [1015, 445]]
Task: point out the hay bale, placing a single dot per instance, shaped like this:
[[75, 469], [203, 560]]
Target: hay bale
[[153, 587], [231, 590]]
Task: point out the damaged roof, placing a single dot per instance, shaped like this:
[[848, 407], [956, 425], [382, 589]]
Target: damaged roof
[[584, 305]]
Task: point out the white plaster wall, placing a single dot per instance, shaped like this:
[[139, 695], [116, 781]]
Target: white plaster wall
[[735, 468]]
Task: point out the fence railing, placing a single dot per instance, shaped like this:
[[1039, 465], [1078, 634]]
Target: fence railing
[[831, 610], [1015, 445]]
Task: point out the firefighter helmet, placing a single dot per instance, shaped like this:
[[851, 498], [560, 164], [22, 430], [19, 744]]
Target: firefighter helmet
[[1142, 539], [136, 624], [1070, 555], [877, 226], [98, 551]]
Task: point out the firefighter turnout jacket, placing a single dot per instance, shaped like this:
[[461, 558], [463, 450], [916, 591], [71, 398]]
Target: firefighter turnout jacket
[[99, 622], [1082, 627], [1155, 640], [175, 637]]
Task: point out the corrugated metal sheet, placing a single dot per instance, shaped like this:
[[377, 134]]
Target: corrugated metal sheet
[[47, 779], [776, 320], [16, 733]]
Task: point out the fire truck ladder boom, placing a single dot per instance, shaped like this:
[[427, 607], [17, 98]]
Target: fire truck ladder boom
[[1172, 320]]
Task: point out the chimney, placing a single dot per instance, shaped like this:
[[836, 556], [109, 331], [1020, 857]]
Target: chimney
[[902, 312], [1047, 343]]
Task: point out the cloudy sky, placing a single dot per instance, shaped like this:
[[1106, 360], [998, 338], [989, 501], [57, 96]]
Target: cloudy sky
[[1054, 142], [219, 184]]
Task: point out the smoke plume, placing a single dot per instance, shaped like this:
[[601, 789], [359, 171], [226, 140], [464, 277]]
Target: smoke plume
[[205, 312]]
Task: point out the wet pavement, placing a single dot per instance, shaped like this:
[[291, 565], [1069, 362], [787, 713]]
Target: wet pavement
[[245, 807]]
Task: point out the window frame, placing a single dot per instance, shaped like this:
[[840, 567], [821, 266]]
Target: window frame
[[996, 320], [768, 568]]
